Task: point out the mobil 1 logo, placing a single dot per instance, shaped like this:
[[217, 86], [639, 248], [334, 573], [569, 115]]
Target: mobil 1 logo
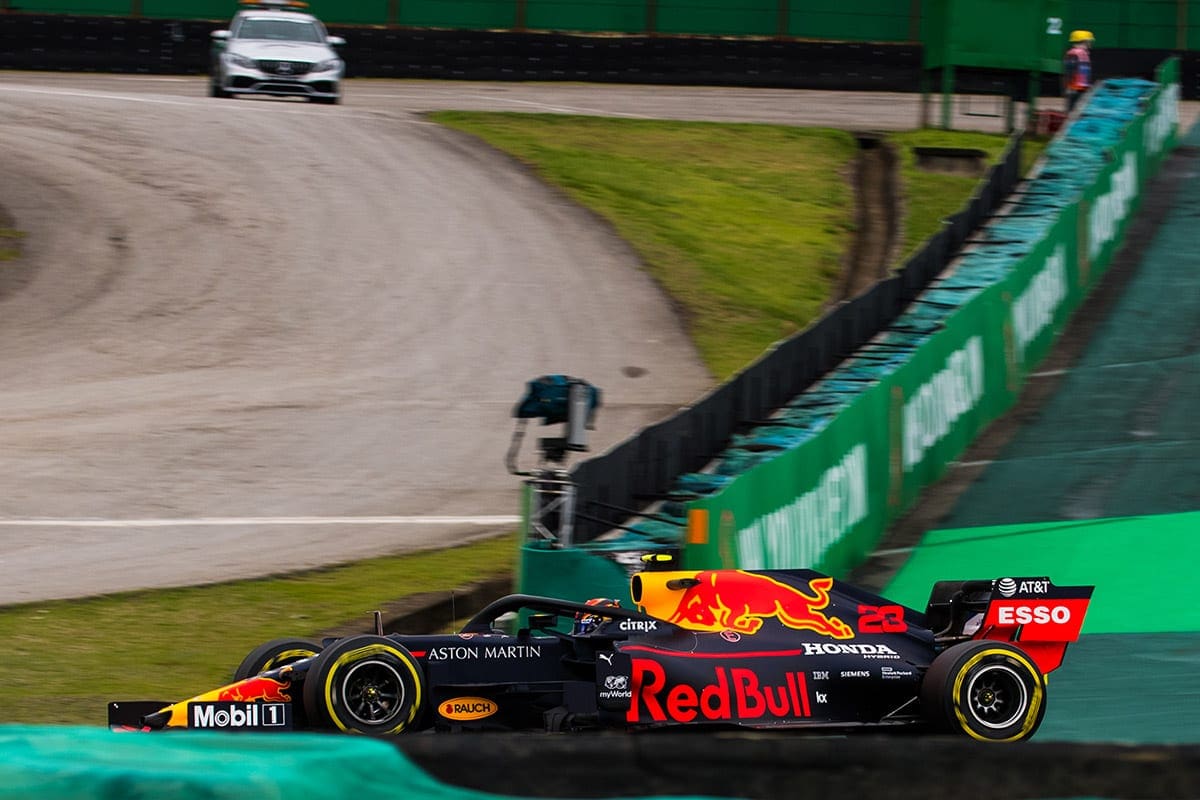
[[233, 716]]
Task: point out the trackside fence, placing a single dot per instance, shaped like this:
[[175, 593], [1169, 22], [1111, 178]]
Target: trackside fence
[[967, 344]]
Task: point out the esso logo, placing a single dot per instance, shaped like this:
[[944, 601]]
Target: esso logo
[[1033, 615]]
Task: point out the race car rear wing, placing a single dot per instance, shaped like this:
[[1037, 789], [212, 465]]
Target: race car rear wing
[[1033, 613]]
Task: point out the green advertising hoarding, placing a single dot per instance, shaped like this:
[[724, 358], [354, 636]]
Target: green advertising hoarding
[[817, 503]]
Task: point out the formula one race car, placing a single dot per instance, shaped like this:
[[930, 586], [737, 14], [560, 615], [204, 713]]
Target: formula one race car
[[762, 649]]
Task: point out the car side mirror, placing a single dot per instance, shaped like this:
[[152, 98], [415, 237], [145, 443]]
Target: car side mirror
[[335, 41], [219, 35]]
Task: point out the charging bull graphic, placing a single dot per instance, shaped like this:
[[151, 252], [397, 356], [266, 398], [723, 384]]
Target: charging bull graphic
[[719, 600]]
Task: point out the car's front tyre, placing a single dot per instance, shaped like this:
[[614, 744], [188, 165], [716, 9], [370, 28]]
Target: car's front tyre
[[364, 684], [215, 90], [990, 691]]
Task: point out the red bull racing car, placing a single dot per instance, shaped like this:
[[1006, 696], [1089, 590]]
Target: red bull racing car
[[761, 649]]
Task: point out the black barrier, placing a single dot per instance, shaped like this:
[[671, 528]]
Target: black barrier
[[612, 487], [114, 44], [793, 765]]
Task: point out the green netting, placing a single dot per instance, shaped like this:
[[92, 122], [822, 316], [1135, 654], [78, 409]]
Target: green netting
[[76, 763], [95, 764], [1142, 567]]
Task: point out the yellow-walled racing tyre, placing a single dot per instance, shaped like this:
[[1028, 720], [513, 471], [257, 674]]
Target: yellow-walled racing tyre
[[990, 691], [364, 684], [274, 653]]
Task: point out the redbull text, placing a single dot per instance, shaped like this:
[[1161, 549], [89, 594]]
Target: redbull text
[[736, 694]]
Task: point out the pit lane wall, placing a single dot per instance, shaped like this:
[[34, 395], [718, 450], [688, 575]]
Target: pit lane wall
[[912, 401]]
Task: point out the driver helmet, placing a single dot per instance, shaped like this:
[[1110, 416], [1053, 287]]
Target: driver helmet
[[586, 622]]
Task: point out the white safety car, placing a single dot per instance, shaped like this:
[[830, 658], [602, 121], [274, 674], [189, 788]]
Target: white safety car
[[273, 47]]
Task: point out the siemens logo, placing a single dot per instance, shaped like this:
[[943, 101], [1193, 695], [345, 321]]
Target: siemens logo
[[933, 409]]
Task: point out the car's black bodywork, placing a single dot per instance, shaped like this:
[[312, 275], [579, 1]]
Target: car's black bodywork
[[769, 649]]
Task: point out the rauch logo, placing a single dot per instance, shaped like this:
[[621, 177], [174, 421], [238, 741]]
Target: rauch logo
[[465, 709]]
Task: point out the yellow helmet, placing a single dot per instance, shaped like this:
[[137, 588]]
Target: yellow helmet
[[1082, 36]]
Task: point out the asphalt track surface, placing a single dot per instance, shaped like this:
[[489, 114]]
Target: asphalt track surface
[[253, 336]]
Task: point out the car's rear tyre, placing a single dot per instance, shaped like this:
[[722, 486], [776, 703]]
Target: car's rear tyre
[[275, 653], [364, 684], [991, 691]]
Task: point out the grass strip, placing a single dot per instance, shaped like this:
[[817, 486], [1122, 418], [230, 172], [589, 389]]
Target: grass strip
[[744, 226], [66, 659], [930, 197]]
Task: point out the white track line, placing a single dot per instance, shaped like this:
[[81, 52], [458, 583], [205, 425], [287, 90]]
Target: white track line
[[555, 108], [226, 521]]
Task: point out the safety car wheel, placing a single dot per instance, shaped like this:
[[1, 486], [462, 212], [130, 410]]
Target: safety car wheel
[[991, 691], [364, 684], [274, 653], [215, 90]]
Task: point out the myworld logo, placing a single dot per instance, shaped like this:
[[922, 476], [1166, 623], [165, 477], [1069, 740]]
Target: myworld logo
[[1111, 208], [933, 409], [799, 533]]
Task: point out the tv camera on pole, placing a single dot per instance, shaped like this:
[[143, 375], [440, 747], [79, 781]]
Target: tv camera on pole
[[555, 399]]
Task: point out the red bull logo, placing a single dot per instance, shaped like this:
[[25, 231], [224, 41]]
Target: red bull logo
[[736, 600], [267, 690]]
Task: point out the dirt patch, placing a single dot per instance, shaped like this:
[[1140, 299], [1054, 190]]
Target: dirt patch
[[876, 217]]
